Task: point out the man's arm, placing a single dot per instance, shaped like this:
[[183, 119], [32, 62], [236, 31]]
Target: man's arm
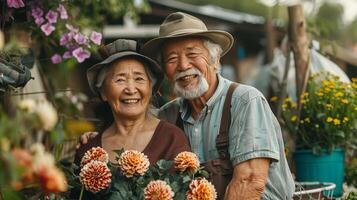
[[249, 179]]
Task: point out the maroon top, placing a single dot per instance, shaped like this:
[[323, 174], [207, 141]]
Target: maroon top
[[166, 143]]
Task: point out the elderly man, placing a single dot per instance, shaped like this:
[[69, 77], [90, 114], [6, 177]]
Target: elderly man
[[240, 143]]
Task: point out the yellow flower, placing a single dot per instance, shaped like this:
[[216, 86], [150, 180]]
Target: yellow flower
[[293, 118], [336, 121], [356, 108], [329, 106], [132, 162], [293, 105], [320, 94], [288, 99], [201, 189], [187, 161], [345, 119], [329, 119], [307, 120], [158, 190], [345, 101], [317, 126], [273, 99], [338, 94]]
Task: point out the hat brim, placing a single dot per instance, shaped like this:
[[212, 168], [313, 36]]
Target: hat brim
[[93, 71], [224, 39]]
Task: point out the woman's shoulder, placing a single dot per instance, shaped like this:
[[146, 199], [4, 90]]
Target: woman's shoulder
[[170, 129]]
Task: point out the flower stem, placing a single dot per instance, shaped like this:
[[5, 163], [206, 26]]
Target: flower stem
[[81, 194]]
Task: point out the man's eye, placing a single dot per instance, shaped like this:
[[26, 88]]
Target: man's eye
[[192, 55], [171, 60]]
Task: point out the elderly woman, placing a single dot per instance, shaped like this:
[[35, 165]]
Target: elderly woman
[[126, 80]]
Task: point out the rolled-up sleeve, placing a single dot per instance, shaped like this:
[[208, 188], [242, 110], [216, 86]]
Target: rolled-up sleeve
[[252, 131]]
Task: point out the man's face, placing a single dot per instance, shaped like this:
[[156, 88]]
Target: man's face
[[188, 67]]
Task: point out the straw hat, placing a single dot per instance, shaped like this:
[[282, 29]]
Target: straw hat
[[180, 24], [119, 49]]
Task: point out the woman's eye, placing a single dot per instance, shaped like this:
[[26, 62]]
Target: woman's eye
[[120, 80], [139, 79]]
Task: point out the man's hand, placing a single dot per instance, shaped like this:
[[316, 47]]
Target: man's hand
[[85, 137], [249, 179]]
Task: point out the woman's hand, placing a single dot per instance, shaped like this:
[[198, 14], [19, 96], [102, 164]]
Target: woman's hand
[[85, 137]]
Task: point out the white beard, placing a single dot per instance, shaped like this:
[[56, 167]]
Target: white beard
[[193, 93]]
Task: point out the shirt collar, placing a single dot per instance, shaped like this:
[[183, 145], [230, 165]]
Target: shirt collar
[[222, 82]]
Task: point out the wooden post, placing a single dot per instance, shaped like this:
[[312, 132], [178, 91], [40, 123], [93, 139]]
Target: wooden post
[[300, 46], [270, 42]]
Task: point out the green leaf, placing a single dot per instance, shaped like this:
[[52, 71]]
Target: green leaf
[[164, 164], [186, 179], [9, 194]]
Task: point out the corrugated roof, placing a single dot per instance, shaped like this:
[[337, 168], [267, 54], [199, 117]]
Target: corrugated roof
[[213, 11]]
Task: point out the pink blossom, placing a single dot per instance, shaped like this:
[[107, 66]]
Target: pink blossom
[[96, 38], [67, 54], [62, 11], [56, 59], [36, 12], [39, 21], [80, 39], [80, 54], [65, 38], [15, 3], [51, 16], [47, 29], [71, 46]]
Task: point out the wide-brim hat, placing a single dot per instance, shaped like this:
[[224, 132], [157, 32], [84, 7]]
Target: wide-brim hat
[[180, 24], [119, 49]]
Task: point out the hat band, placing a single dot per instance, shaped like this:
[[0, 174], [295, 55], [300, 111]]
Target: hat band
[[181, 32]]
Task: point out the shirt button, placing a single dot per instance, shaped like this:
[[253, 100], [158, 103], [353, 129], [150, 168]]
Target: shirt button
[[196, 129], [209, 111]]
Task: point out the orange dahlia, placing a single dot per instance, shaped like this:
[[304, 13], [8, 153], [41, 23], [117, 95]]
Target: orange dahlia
[[201, 189], [95, 153], [132, 162], [51, 179], [95, 176], [187, 161], [158, 190]]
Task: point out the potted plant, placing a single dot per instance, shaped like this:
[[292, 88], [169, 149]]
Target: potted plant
[[323, 129]]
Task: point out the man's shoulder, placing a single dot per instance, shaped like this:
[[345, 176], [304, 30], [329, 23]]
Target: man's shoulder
[[175, 103], [246, 93]]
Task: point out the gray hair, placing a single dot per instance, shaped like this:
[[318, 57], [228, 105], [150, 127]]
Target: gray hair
[[214, 51]]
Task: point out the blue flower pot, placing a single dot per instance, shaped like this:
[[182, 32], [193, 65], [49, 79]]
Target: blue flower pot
[[326, 167]]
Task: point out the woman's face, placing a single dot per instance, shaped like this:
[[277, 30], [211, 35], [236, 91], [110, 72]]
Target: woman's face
[[127, 88]]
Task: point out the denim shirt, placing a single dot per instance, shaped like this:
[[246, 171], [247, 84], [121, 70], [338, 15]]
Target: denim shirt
[[254, 132]]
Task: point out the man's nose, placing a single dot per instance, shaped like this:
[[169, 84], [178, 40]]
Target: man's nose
[[183, 63]]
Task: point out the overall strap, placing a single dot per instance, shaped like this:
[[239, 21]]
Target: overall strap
[[222, 140]]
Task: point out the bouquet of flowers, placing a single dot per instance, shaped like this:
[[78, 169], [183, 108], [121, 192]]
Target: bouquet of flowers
[[328, 118], [132, 177]]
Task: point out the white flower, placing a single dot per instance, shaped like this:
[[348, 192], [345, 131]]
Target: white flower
[[47, 115], [27, 105], [41, 157]]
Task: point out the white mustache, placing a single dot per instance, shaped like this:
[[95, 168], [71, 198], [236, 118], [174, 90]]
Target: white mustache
[[192, 71]]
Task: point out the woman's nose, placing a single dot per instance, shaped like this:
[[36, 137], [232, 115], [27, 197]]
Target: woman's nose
[[130, 87]]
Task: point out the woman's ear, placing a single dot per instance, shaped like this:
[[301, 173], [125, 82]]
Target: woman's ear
[[102, 95]]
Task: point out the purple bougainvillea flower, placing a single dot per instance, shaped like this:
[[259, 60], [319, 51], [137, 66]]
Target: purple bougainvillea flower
[[96, 38], [37, 12], [47, 29], [56, 59], [62, 11], [65, 38], [80, 39], [71, 28], [39, 21], [67, 54], [81, 54], [15, 3], [51, 16]]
